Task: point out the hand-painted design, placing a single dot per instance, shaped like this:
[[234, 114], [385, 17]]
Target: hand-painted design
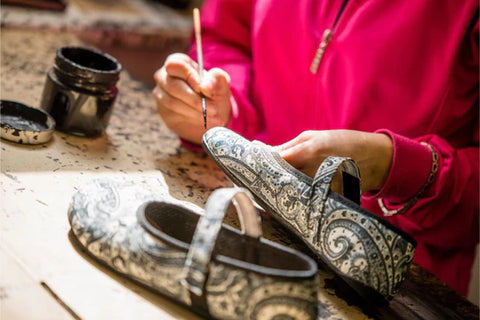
[[246, 295], [253, 174], [357, 244], [201, 248], [322, 182], [327, 170], [103, 217]]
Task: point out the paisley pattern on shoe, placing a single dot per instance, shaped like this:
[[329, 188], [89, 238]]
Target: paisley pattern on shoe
[[186, 254], [365, 250]]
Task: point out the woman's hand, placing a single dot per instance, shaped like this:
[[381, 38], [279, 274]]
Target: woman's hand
[[178, 97], [372, 152]]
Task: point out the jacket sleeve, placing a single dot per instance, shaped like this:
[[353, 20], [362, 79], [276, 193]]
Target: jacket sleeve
[[226, 44], [447, 213]]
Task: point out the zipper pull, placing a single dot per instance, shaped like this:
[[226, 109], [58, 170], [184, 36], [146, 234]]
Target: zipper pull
[[327, 36]]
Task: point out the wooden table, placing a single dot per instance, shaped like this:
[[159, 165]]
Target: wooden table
[[44, 275]]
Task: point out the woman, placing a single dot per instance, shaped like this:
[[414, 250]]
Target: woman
[[391, 84]]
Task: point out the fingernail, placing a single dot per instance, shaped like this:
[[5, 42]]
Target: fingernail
[[206, 88], [206, 83]]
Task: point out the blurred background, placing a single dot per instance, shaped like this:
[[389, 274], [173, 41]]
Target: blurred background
[[139, 33]]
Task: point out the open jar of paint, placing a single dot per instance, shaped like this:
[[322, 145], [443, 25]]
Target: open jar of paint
[[80, 90]]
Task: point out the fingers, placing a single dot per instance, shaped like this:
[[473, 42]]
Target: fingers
[[301, 153], [179, 101], [182, 80], [216, 83], [169, 107], [296, 155], [181, 66], [302, 137], [264, 145], [176, 88]]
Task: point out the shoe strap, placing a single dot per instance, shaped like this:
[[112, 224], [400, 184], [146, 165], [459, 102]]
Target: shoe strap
[[327, 170], [201, 248]]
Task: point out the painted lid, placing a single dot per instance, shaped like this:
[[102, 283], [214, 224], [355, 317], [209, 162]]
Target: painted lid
[[23, 124]]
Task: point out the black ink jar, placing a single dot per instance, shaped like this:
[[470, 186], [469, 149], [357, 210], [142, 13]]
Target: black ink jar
[[80, 90]]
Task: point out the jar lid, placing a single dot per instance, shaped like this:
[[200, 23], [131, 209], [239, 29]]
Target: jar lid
[[23, 124]]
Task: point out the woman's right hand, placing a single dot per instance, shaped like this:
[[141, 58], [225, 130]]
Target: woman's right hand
[[178, 95]]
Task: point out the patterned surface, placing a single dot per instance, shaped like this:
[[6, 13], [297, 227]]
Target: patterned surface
[[205, 236], [248, 296], [102, 216], [355, 243]]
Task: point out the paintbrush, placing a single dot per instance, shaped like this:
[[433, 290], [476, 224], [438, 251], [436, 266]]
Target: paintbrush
[[198, 40]]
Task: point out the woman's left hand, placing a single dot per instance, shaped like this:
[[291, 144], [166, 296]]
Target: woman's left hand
[[372, 152]]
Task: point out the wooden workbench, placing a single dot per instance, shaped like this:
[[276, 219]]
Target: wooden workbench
[[45, 275]]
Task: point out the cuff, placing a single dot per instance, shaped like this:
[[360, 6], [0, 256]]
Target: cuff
[[409, 172]]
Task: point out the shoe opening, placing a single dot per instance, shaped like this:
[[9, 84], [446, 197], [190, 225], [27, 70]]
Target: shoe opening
[[176, 225]]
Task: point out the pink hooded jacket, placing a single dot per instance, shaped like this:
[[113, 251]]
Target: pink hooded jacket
[[405, 68]]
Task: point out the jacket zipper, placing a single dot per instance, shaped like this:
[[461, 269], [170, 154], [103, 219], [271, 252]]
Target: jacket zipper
[[327, 37]]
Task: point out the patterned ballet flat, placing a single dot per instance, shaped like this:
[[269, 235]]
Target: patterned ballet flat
[[369, 253], [188, 255]]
